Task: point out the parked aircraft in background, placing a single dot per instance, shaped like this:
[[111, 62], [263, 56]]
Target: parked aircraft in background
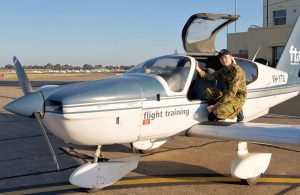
[[163, 97]]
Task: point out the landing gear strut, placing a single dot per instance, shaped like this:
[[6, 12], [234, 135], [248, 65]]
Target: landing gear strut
[[97, 154]]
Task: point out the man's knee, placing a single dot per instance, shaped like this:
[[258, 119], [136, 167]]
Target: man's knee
[[225, 112]]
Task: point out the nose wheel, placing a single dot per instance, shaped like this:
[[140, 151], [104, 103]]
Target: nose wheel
[[97, 155], [94, 176]]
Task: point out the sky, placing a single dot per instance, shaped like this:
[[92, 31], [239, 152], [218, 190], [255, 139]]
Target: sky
[[114, 32]]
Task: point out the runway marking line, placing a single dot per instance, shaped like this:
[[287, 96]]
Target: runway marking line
[[158, 180]]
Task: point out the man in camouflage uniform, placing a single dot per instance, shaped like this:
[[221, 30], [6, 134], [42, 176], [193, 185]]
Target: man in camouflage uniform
[[226, 104]]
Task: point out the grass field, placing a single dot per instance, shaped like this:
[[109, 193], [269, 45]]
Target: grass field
[[9, 75]]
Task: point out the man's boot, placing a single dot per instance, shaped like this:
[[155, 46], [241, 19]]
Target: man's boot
[[212, 117], [240, 116]]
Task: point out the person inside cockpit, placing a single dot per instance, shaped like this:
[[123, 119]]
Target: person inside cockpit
[[225, 104]]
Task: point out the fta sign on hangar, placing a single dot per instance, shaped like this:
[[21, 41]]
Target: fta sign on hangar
[[163, 97]]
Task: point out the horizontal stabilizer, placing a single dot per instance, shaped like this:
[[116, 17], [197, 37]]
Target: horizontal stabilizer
[[254, 132]]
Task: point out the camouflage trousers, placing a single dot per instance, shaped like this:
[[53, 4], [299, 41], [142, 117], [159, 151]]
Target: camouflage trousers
[[227, 110]]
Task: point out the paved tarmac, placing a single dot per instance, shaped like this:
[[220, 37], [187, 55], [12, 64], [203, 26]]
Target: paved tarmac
[[184, 165]]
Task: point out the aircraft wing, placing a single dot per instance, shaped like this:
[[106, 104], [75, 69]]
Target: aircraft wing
[[254, 132]]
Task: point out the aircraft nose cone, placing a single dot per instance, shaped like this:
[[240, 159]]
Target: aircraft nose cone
[[27, 104]]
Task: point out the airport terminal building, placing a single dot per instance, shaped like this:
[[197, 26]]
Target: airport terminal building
[[279, 17]]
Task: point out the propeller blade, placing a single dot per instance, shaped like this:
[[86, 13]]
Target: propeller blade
[[33, 102], [22, 77], [39, 119]]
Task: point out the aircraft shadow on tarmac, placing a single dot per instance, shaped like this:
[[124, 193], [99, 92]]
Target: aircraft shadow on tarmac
[[149, 168], [169, 168]]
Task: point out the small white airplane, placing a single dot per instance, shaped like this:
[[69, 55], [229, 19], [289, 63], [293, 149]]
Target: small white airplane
[[163, 97]]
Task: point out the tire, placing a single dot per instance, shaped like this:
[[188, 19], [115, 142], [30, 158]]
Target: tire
[[250, 181], [93, 190]]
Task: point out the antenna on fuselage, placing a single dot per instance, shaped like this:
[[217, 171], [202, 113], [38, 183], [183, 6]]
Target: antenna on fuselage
[[254, 57]]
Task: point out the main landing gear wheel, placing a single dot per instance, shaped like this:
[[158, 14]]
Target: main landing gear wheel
[[249, 165], [93, 190], [250, 181]]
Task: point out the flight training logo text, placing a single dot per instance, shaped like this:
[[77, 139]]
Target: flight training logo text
[[154, 114], [295, 55]]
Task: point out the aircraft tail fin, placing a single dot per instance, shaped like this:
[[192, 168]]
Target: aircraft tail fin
[[290, 58]]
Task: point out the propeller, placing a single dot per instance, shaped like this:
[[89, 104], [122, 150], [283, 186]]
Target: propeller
[[27, 89]]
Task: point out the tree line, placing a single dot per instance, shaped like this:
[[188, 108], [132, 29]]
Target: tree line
[[70, 67]]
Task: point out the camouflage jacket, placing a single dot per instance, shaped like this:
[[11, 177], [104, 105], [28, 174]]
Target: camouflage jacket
[[234, 82]]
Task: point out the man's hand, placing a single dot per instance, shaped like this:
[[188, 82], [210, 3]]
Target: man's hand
[[210, 108], [198, 68]]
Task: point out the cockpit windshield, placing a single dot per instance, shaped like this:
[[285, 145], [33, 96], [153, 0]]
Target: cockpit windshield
[[173, 69]]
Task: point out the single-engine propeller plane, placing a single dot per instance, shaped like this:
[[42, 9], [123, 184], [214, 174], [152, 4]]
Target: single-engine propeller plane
[[163, 97]]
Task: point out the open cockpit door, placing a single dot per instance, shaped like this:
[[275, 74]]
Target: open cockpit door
[[198, 34]]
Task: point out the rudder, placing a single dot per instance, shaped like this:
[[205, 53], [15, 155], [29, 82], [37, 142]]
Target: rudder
[[290, 59]]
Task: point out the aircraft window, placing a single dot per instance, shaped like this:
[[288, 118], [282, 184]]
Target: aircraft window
[[173, 69], [249, 68]]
